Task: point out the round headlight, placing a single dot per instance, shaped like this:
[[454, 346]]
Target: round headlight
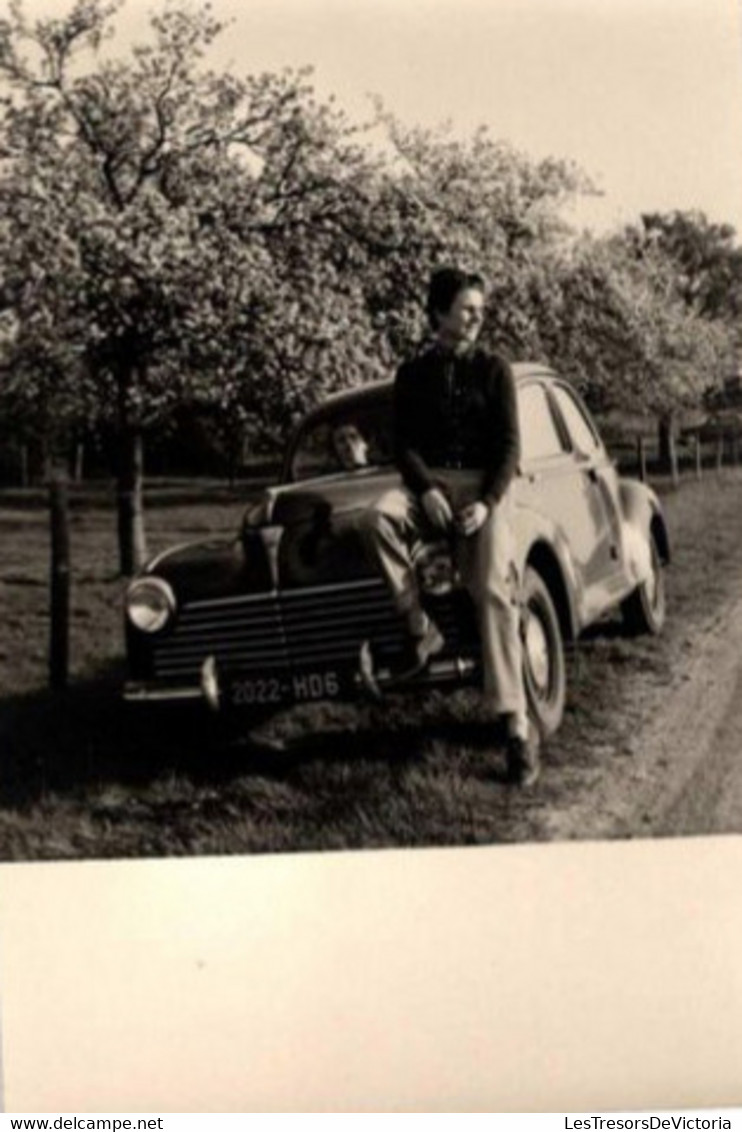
[[150, 603]]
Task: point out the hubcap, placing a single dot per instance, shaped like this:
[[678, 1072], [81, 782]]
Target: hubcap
[[653, 586], [537, 653]]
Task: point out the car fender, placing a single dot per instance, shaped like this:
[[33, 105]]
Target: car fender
[[540, 543], [642, 520]]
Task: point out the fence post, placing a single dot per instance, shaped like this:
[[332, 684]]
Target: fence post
[[673, 454], [25, 477], [60, 581], [697, 456], [641, 453], [79, 461]]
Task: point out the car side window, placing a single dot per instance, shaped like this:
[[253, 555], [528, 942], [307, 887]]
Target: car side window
[[539, 435], [581, 432], [346, 442], [313, 454]]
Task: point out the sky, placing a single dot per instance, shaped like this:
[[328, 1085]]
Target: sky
[[645, 95]]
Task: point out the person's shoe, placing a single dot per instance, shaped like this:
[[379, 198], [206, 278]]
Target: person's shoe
[[524, 759]]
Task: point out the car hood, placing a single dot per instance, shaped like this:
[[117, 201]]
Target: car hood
[[319, 527], [213, 568], [339, 496], [310, 534]]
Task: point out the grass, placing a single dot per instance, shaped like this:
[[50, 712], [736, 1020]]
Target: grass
[[82, 776]]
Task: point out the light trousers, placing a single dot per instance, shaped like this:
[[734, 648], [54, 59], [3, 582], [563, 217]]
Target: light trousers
[[396, 524]]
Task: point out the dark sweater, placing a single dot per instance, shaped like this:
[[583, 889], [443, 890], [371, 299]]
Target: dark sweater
[[456, 411]]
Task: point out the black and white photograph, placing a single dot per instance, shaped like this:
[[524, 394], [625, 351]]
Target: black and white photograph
[[370, 430], [370, 408]]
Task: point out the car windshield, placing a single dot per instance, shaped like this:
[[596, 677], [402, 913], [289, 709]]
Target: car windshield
[[351, 439]]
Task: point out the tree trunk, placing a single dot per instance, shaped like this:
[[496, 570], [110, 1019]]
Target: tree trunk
[[79, 462], [674, 466], [234, 453], [667, 442], [130, 476], [641, 455], [60, 581], [25, 473], [132, 538], [47, 464]]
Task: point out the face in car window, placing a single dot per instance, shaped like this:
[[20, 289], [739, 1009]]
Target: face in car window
[[345, 443], [351, 447]]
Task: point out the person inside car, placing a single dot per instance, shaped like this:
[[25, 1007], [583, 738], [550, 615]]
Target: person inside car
[[455, 414], [350, 447]]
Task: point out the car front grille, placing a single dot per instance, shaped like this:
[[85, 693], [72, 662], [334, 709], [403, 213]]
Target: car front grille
[[316, 627]]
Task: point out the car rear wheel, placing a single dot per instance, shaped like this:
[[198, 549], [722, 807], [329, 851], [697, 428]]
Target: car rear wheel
[[644, 610], [543, 654]]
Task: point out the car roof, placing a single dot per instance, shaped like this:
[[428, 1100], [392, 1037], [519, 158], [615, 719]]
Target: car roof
[[361, 395]]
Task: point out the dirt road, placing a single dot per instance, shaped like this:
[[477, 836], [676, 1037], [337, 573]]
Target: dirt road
[[683, 773]]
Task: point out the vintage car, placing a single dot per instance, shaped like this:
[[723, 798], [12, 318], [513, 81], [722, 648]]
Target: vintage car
[[292, 609]]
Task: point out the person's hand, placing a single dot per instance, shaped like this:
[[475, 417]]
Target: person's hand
[[471, 518], [437, 508]]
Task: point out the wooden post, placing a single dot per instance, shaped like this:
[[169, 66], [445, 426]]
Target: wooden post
[[641, 452], [673, 454], [697, 456], [132, 539], [25, 477], [130, 474], [79, 461], [665, 431], [719, 451], [60, 581]]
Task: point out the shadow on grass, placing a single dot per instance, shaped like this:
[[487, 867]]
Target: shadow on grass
[[67, 742], [612, 628], [399, 741], [62, 741]]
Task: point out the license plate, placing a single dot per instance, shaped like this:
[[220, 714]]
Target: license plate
[[283, 687]]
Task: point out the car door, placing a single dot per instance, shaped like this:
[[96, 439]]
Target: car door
[[599, 473], [564, 484]]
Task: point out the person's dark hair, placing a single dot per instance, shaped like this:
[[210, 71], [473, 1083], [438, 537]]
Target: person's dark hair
[[445, 284]]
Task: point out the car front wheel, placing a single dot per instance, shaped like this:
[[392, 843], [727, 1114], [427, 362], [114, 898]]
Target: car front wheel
[[643, 611], [543, 654]]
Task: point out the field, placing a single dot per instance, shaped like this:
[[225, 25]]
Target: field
[[82, 776]]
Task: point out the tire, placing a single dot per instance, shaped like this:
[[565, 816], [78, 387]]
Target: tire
[[544, 669], [644, 610]]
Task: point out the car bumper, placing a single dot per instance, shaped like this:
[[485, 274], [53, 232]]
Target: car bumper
[[210, 689], [206, 691], [135, 691]]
